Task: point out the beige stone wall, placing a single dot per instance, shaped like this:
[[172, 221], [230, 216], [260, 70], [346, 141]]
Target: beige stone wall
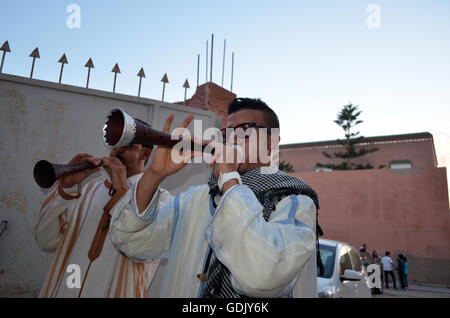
[[43, 120]]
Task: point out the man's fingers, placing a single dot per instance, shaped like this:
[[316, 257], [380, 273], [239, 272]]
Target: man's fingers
[[187, 121], [111, 162], [92, 160], [106, 162], [168, 123], [78, 157], [116, 161]]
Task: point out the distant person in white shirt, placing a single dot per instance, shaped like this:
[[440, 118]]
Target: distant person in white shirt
[[387, 266]]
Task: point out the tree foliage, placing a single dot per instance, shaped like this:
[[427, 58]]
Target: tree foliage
[[347, 119], [286, 166]]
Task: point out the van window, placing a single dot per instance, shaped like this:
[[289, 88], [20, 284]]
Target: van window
[[328, 256], [356, 261], [344, 261]]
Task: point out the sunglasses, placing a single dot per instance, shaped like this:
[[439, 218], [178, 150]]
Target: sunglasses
[[244, 127]]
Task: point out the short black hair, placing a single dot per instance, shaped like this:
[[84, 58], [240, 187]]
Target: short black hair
[[256, 104]]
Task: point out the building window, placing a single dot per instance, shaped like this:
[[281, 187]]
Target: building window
[[322, 169], [401, 164]]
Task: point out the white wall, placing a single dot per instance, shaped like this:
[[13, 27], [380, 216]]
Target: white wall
[[43, 120]]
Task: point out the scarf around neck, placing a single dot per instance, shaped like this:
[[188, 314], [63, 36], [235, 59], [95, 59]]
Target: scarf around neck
[[270, 186]]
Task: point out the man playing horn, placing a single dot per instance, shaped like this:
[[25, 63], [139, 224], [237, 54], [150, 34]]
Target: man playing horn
[[250, 232], [74, 223]]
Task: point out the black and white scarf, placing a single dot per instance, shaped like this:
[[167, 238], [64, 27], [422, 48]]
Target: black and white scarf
[[269, 188]]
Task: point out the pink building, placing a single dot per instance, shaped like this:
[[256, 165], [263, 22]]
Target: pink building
[[417, 148], [403, 207]]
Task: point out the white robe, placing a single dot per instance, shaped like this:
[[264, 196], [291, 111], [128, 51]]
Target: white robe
[[266, 259], [68, 227]]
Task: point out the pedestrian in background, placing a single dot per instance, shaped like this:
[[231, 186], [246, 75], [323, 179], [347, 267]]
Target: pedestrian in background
[[401, 270], [375, 258], [405, 275], [365, 256], [377, 261], [388, 269]]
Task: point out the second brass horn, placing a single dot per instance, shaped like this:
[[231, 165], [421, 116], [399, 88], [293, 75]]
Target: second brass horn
[[46, 173], [120, 129]]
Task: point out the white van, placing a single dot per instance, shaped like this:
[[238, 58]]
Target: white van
[[344, 274]]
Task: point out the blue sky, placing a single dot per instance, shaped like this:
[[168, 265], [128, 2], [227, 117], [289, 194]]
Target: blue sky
[[306, 59]]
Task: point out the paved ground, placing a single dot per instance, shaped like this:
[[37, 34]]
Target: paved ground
[[416, 291]]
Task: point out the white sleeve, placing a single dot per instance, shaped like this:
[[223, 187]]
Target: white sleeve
[[264, 258], [53, 217], [146, 235]]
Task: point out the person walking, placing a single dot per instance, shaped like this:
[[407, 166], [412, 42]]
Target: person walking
[[388, 269]]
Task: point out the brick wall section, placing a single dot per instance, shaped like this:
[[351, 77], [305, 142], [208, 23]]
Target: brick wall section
[[213, 98]]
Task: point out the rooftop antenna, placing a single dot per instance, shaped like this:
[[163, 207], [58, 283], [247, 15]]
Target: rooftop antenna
[[206, 61], [223, 64], [198, 68], [232, 71], [212, 49]]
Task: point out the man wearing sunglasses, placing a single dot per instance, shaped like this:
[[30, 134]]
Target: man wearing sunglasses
[[74, 224], [249, 232]]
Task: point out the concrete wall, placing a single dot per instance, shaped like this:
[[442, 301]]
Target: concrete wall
[[42, 120], [404, 211]]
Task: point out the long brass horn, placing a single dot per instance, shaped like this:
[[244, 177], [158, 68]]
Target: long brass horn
[[120, 129], [46, 173]]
